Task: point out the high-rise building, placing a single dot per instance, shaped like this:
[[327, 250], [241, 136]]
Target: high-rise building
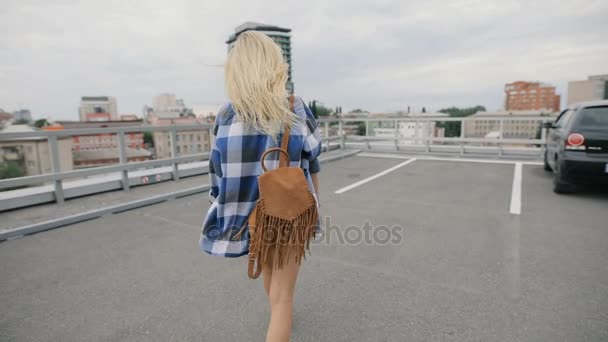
[[280, 35], [22, 114], [522, 95], [163, 102], [167, 106], [593, 88], [92, 106]]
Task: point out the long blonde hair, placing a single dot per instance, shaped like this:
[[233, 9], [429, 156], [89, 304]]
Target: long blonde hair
[[256, 75]]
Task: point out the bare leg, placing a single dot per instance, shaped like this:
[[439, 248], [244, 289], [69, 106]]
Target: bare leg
[[267, 275], [282, 288]]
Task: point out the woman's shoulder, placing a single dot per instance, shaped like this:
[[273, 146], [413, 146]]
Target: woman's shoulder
[[225, 114]]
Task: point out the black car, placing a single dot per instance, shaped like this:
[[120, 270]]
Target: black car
[[577, 147]]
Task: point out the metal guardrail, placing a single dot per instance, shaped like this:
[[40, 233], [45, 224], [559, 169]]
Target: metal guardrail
[[427, 142], [58, 176]]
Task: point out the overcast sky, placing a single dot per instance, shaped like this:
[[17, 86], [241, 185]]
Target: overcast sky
[[376, 55]]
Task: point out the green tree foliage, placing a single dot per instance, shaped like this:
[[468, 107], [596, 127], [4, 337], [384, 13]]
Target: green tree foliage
[[10, 169], [452, 128], [41, 123], [318, 109], [360, 128], [149, 138]]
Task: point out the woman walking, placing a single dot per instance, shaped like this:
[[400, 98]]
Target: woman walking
[[256, 119]]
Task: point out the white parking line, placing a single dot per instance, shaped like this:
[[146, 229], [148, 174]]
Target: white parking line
[[455, 159], [516, 190], [378, 175]]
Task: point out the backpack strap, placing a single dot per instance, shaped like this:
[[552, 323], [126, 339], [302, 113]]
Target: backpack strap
[[283, 158]]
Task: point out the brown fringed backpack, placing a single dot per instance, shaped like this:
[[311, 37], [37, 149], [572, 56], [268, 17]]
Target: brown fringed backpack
[[285, 216]]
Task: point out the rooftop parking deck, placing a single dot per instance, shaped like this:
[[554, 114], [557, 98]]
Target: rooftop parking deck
[[480, 250]]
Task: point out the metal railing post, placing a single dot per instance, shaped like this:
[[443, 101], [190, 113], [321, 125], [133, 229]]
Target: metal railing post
[[56, 168], [342, 135], [122, 157], [210, 138], [367, 128], [543, 137], [173, 139], [327, 135], [462, 135], [396, 135], [500, 133], [427, 135]]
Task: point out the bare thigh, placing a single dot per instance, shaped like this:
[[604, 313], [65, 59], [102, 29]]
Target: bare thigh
[[283, 283]]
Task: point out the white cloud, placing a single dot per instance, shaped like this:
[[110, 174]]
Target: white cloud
[[378, 55]]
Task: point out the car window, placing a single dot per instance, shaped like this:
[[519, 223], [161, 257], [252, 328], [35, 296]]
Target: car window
[[593, 117], [564, 119]]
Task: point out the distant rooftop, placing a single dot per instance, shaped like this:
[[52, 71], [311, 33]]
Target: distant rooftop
[[95, 98], [253, 26], [515, 112]]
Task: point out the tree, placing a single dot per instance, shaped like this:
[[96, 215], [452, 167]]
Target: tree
[[41, 123], [318, 109], [322, 110], [10, 169], [359, 110], [423, 109], [452, 128], [149, 138], [360, 128]]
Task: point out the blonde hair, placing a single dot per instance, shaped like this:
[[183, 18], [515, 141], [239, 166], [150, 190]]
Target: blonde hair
[[256, 75]]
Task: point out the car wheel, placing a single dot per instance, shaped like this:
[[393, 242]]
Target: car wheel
[[547, 166], [559, 186]]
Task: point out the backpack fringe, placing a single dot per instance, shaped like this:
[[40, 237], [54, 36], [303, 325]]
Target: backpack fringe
[[277, 239]]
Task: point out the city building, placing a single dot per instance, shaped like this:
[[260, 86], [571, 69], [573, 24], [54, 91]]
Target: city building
[[32, 154], [22, 115], [102, 149], [129, 117], [593, 88], [101, 141], [92, 106], [487, 125], [416, 132], [168, 103], [5, 118], [282, 36], [522, 95], [187, 142], [167, 106]]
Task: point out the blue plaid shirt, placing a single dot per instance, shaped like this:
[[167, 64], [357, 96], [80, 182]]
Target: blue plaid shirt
[[234, 167]]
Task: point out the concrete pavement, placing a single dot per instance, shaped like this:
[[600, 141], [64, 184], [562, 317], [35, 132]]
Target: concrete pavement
[[465, 269]]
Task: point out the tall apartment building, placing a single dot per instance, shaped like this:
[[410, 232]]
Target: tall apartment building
[[166, 106], [522, 95], [593, 88], [280, 35], [22, 114], [92, 106]]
